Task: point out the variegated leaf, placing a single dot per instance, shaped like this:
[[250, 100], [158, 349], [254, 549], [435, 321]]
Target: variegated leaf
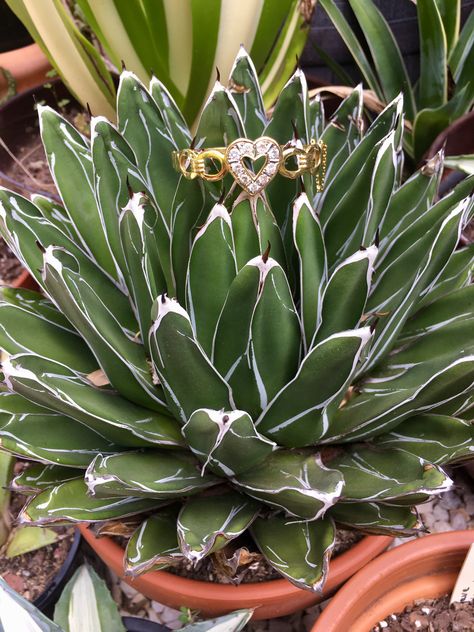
[[36, 478], [309, 244], [437, 439], [30, 323], [374, 474], [69, 159], [345, 295], [154, 545], [208, 523], [212, 268], [219, 438], [300, 551], [255, 229], [104, 326], [56, 214], [258, 336], [148, 474], [367, 416], [189, 379], [296, 482], [19, 613], [377, 518], [113, 417], [70, 502], [245, 89], [170, 113], [301, 413], [30, 431]]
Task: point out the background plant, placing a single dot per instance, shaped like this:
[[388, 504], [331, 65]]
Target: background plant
[[444, 90], [180, 42], [215, 364]]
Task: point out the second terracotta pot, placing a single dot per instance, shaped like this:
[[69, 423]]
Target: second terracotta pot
[[425, 568], [270, 599]]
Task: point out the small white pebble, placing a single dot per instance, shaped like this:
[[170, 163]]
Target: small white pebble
[[426, 610], [393, 617], [417, 624], [383, 624]]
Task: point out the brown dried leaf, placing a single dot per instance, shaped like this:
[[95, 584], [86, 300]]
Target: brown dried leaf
[[98, 378]]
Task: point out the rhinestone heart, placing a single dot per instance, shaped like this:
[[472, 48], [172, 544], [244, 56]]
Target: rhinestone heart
[[263, 147]]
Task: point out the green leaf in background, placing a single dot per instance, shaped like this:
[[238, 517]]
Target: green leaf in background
[[154, 545], [27, 539], [17, 613], [450, 13], [207, 524], [37, 477], [461, 163], [299, 550], [433, 84], [86, 604], [217, 438], [245, 89], [6, 472]]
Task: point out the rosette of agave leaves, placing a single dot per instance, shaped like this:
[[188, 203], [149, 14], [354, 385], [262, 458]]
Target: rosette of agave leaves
[[204, 363]]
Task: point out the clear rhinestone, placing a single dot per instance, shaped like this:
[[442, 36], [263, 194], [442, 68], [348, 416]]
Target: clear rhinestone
[[274, 154], [262, 146], [263, 180], [245, 178], [234, 154], [271, 168], [253, 187]]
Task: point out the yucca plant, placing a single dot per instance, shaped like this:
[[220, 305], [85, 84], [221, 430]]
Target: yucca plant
[[181, 42], [220, 362], [444, 90]]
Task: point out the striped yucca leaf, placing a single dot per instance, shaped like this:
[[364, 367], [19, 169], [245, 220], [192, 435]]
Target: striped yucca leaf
[[229, 365]]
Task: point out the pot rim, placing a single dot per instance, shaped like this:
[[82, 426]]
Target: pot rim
[[391, 568], [269, 599]]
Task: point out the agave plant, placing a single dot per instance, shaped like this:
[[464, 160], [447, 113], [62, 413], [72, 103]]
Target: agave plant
[[181, 42], [444, 90], [221, 363]]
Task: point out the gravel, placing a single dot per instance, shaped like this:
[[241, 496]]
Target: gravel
[[452, 511]]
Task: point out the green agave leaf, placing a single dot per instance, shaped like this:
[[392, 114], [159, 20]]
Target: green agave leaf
[[368, 416], [143, 273], [411, 200], [298, 550], [113, 417], [456, 274], [343, 132], [390, 119], [218, 438], [309, 244], [37, 477], [87, 604], [103, 326], [208, 523], [17, 613], [142, 126], [233, 622], [245, 89], [6, 472], [114, 171], [154, 545], [29, 539], [151, 474], [69, 159], [254, 228], [450, 13], [433, 84], [30, 431], [258, 336], [212, 268], [356, 217], [316, 116], [297, 482], [437, 439], [376, 474], [220, 122], [189, 380], [345, 295], [30, 323], [435, 249], [70, 502], [388, 60], [377, 518], [460, 53], [56, 214], [301, 413], [170, 113]]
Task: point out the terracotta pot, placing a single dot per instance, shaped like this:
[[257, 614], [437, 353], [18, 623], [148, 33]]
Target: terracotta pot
[[271, 599], [25, 281], [28, 65], [425, 568]]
